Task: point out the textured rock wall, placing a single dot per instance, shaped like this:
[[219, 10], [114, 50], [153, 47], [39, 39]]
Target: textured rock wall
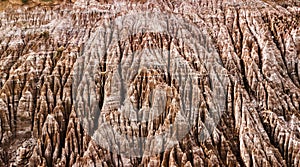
[[49, 119]]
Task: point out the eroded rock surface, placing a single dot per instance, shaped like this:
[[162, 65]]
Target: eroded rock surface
[[53, 55]]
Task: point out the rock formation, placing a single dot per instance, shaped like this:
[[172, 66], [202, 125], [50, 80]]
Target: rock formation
[[149, 83]]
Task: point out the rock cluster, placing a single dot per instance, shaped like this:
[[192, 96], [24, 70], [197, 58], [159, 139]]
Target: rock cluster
[[69, 70]]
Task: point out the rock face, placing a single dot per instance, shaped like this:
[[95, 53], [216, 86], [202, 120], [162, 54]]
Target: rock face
[[150, 83]]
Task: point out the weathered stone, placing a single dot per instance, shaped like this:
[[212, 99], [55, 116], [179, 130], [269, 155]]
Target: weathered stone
[[53, 103]]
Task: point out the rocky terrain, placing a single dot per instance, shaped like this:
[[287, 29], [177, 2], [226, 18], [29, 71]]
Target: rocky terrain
[[149, 83]]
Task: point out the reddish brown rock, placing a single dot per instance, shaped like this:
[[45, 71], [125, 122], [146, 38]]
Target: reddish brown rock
[[54, 104]]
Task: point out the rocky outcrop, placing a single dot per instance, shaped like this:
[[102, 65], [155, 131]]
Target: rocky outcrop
[[154, 83]]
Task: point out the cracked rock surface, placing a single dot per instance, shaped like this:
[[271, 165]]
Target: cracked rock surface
[[150, 83]]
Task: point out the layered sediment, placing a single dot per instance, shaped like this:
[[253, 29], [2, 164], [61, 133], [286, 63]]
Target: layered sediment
[[69, 68]]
